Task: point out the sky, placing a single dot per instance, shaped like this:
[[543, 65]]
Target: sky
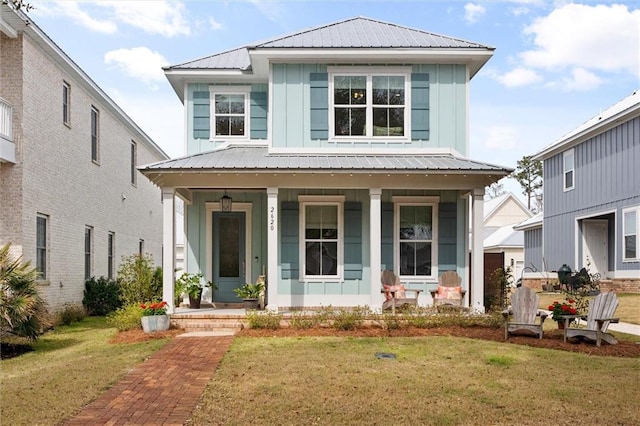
[[556, 63]]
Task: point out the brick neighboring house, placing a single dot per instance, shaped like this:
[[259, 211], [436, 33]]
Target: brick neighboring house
[[72, 200]]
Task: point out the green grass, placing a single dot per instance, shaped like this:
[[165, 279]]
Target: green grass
[[69, 367], [628, 308]]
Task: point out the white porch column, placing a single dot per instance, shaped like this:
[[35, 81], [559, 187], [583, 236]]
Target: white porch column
[[375, 237], [272, 249], [168, 247], [477, 250]]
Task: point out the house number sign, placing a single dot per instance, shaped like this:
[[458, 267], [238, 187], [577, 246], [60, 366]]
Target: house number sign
[[272, 218]]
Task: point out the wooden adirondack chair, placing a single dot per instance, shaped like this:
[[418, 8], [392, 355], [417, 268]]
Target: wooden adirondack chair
[[601, 310], [395, 292], [449, 290], [524, 310]]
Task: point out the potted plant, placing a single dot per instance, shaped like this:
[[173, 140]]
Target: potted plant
[[192, 285], [558, 309], [154, 317], [250, 294]]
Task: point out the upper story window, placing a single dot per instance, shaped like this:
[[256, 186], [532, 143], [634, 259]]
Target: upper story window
[[631, 230], [134, 162], [41, 245], [95, 134], [66, 103], [416, 236], [88, 252], [230, 112], [111, 254], [568, 164], [369, 104]]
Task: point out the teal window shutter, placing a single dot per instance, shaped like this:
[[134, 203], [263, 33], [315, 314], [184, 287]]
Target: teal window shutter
[[201, 115], [419, 106], [289, 238], [386, 233], [319, 97], [258, 111], [352, 241], [447, 237]]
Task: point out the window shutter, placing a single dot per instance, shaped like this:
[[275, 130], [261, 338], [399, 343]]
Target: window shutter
[[386, 233], [258, 111], [201, 115], [319, 97], [352, 241], [289, 256], [419, 106], [447, 236]]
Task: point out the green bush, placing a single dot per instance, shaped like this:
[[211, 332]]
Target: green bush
[[304, 321], [101, 296], [349, 319], [267, 319], [136, 280], [71, 313], [126, 318]]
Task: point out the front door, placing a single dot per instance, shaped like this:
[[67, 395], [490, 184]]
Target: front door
[[595, 247], [229, 257]]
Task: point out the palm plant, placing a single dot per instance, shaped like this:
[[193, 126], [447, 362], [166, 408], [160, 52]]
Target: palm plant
[[22, 310]]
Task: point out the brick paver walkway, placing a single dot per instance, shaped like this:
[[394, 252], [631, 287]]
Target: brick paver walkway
[[163, 390]]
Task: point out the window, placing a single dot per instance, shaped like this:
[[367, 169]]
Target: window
[[111, 253], [134, 162], [41, 246], [370, 104], [141, 247], [631, 229], [322, 237], [88, 252], [95, 134], [416, 237], [568, 164], [66, 103], [230, 116]]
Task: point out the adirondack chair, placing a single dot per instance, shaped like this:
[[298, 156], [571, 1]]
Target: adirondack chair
[[449, 290], [395, 292], [524, 310], [601, 310]]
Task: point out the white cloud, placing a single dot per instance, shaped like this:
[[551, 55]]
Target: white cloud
[[473, 12], [71, 9], [501, 138], [518, 77], [215, 25], [139, 62], [271, 10], [519, 10], [580, 80], [598, 38]]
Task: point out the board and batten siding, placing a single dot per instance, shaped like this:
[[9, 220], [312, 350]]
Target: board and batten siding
[[533, 249]]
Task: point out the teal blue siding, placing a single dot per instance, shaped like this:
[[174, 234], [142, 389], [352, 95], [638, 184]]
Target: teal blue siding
[[352, 241], [419, 106], [319, 93], [201, 115], [289, 240], [386, 234], [447, 238], [258, 114]]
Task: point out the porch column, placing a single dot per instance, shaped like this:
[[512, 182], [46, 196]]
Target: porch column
[[375, 238], [477, 250], [168, 247], [272, 249]]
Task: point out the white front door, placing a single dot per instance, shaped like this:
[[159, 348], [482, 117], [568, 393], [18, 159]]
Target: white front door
[[595, 246]]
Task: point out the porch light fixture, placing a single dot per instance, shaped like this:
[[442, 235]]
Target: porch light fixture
[[225, 203]]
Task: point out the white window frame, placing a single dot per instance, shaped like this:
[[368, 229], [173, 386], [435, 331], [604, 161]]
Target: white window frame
[[636, 210], [230, 90], [43, 275], [321, 200], [95, 112], [88, 255], [111, 255], [369, 73], [134, 163], [565, 170], [66, 103], [423, 201]]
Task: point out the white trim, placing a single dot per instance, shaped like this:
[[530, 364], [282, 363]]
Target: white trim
[[375, 252], [565, 154], [230, 90], [624, 274], [168, 247], [273, 248], [434, 199], [625, 210], [367, 149]]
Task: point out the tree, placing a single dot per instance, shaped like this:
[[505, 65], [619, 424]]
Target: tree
[[19, 4], [528, 173], [494, 190]]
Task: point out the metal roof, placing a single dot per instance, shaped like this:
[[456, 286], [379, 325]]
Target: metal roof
[[258, 158]]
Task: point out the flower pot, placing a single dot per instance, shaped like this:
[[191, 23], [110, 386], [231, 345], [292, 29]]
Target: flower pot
[[153, 323], [194, 301], [251, 303], [560, 325]]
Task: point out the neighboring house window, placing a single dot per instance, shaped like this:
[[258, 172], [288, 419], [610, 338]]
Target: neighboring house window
[[369, 104], [134, 162], [66, 103], [141, 247], [41, 245], [322, 237], [111, 254], [568, 159], [631, 227], [88, 252], [95, 134], [416, 237], [230, 115]]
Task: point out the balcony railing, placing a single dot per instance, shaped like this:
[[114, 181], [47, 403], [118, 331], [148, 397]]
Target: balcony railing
[[7, 147]]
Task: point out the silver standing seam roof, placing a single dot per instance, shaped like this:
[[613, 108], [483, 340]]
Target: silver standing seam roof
[[257, 158]]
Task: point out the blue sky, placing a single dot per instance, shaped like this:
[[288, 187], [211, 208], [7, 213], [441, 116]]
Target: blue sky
[[556, 63]]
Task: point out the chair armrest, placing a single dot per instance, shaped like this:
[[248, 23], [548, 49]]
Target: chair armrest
[[415, 290], [614, 320], [543, 315]]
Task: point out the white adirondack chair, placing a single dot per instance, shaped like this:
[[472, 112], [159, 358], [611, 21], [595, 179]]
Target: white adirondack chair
[[601, 310], [524, 310]]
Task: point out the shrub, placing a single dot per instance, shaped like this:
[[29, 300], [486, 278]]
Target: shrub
[[349, 319], [135, 277], [269, 320], [304, 321], [71, 313], [126, 318], [101, 296]]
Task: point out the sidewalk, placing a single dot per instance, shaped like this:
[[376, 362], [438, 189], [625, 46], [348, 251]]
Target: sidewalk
[[625, 327], [164, 389]]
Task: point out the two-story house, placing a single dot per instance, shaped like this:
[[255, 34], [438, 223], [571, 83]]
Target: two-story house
[[321, 158], [71, 199], [592, 199]]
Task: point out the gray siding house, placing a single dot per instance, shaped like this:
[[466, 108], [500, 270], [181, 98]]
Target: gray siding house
[[592, 198]]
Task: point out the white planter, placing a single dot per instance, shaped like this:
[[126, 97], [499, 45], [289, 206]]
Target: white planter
[[153, 323]]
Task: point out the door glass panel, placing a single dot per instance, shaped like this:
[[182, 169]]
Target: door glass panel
[[229, 253]]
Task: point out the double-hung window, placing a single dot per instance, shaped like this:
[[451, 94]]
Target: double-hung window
[[111, 254], [230, 111], [416, 237], [370, 104], [41, 246], [66, 103], [88, 252], [631, 230], [321, 245], [95, 134], [133, 163], [568, 165]]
